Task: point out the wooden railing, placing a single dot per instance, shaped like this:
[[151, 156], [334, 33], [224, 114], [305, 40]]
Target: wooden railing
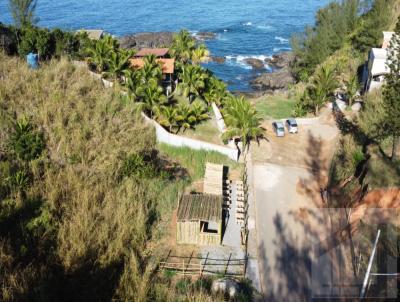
[[193, 265]]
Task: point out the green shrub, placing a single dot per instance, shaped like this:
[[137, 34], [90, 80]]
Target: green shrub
[[25, 142]]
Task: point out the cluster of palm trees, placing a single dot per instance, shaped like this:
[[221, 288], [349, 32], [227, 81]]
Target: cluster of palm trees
[[105, 57], [196, 84]]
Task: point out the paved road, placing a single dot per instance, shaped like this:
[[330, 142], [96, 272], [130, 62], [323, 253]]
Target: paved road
[[287, 177]]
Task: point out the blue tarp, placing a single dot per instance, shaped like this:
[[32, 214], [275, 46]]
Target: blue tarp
[[32, 60]]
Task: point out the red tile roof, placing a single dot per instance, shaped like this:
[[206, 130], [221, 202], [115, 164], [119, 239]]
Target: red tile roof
[[168, 65], [158, 52]]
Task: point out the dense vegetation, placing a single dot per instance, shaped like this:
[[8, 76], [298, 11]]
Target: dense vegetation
[[330, 55], [358, 23], [81, 216]]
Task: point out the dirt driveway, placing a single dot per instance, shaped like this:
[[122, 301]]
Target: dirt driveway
[[288, 174]]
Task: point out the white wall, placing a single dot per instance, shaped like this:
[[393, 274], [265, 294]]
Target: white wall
[[219, 118], [163, 136]]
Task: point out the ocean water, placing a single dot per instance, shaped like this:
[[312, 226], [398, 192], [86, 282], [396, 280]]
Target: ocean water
[[245, 29]]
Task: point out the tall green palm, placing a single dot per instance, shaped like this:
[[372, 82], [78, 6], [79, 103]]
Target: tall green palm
[[151, 69], [185, 118], [315, 97], [216, 91], [193, 81], [199, 54], [327, 79], [352, 87], [198, 112], [151, 98], [182, 46], [169, 117], [99, 54], [242, 121], [117, 64]]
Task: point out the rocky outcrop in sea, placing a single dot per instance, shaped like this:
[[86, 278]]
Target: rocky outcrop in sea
[[147, 40], [278, 80]]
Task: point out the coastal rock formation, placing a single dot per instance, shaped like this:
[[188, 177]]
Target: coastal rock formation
[[150, 40], [204, 35], [280, 60], [255, 63], [278, 80], [219, 60]]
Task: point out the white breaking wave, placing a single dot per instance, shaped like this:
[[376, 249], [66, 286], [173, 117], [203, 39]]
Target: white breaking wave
[[241, 60], [282, 40], [265, 27], [277, 49], [248, 24]]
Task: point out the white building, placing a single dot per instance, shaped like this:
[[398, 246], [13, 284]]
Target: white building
[[377, 65]]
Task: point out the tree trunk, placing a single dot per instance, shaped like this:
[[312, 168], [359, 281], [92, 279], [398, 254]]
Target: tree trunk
[[394, 147], [316, 110]]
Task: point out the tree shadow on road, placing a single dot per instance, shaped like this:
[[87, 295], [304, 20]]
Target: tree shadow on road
[[289, 275]]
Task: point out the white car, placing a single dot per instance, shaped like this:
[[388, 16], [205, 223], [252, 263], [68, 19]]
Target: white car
[[291, 125], [279, 129]]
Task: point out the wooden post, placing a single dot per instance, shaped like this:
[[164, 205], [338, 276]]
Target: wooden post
[[204, 264], [191, 255], [227, 264]]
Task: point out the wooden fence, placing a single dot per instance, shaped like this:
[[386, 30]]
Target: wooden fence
[[193, 265]]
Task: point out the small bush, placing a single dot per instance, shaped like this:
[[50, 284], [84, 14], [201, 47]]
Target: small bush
[[27, 143]]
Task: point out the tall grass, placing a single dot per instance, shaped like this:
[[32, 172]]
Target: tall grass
[[194, 161], [83, 230]]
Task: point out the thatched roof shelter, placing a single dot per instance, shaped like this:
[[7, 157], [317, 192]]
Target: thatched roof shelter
[[202, 207], [199, 220]]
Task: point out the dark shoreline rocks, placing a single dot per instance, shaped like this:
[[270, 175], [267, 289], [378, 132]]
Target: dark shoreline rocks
[[147, 40], [205, 35], [157, 39], [219, 60], [280, 60], [255, 63], [278, 80]]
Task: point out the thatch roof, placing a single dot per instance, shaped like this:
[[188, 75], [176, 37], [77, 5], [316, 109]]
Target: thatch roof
[[158, 52], [200, 207], [167, 65], [213, 179]]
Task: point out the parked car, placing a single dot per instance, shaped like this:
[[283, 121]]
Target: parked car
[[291, 125], [279, 129]]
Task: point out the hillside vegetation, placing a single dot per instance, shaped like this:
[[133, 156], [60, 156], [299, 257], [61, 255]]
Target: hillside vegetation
[[84, 194]]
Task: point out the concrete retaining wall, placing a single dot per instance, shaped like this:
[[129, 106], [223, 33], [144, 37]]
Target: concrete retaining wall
[[219, 118], [163, 136]]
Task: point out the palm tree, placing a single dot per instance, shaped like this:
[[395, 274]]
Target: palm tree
[[151, 98], [169, 117], [216, 91], [182, 46], [185, 118], [242, 121], [326, 78], [23, 12], [198, 112], [193, 81], [315, 96], [352, 86], [151, 69], [99, 54], [117, 64], [199, 54]]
